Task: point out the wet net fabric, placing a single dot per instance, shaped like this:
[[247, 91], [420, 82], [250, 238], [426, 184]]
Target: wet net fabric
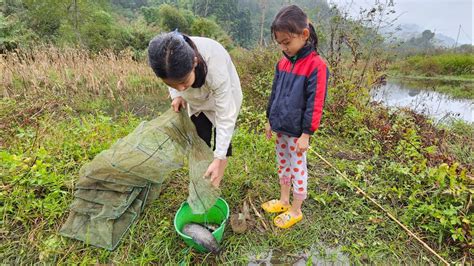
[[115, 186]]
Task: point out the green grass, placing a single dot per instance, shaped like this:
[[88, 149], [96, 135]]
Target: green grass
[[37, 181], [433, 65], [441, 78], [422, 174], [447, 73]]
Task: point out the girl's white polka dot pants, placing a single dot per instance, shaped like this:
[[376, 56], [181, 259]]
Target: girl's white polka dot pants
[[292, 169]]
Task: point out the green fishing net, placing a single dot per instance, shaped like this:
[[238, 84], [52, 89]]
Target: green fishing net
[[115, 186]]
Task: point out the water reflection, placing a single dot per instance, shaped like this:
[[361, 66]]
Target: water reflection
[[318, 255], [439, 106]]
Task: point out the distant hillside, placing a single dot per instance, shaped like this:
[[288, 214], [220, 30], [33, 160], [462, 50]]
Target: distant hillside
[[405, 32]]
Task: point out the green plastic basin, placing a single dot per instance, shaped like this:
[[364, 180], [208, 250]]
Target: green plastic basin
[[217, 214]]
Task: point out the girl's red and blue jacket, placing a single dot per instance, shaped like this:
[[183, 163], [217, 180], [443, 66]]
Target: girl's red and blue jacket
[[298, 93]]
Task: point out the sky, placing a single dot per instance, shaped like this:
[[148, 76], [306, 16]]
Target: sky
[[440, 16]]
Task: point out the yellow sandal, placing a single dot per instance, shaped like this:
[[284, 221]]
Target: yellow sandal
[[275, 206], [287, 220]]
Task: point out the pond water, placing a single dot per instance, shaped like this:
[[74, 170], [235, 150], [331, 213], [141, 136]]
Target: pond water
[[441, 107], [317, 255]]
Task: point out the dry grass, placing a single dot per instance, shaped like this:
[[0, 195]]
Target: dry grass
[[68, 71], [52, 80]]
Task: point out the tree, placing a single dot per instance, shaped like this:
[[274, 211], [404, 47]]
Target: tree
[[423, 42], [171, 18], [426, 37], [208, 28], [44, 17], [130, 4], [168, 17], [14, 33], [151, 15], [242, 29], [99, 32], [263, 7]]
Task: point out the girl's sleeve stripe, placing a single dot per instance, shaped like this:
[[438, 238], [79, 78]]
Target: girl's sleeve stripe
[[321, 86]]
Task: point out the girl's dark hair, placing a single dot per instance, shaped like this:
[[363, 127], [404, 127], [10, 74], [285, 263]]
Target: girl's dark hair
[[171, 56], [292, 19]]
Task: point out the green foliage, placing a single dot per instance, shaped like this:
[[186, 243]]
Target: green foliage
[[45, 16], [188, 16], [256, 77], [242, 31], [460, 142], [430, 197], [91, 24], [41, 173], [442, 64], [422, 175], [130, 4], [151, 15], [170, 18], [167, 16], [14, 33], [208, 28], [441, 210], [65, 23], [138, 35], [99, 33]]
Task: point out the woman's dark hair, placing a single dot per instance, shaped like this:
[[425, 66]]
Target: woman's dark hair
[[292, 19], [171, 56]]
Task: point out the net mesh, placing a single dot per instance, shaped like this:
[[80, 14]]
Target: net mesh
[[115, 186]]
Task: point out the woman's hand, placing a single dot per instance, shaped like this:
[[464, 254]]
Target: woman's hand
[[216, 171], [302, 143], [268, 130], [177, 103]]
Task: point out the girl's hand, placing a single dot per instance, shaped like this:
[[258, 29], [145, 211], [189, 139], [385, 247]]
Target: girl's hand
[[215, 171], [302, 143], [268, 131], [177, 103]]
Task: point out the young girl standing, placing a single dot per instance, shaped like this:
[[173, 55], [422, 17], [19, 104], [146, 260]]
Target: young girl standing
[[201, 77], [294, 108]]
